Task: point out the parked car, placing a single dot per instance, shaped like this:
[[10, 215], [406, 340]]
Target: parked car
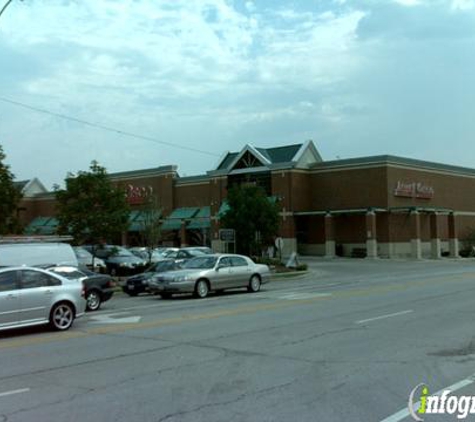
[[184, 254], [144, 254], [85, 260], [99, 288], [36, 253], [138, 283], [206, 273], [119, 260], [32, 296]]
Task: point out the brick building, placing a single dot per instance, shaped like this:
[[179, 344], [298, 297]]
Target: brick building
[[382, 206]]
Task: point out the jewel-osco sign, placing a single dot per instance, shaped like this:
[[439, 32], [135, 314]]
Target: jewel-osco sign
[[414, 190]]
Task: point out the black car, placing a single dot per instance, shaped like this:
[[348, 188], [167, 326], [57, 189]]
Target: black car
[[99, 288], [138, 283], [119, 260]]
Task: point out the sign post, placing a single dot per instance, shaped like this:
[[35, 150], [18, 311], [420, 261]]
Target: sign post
[[228, 236]]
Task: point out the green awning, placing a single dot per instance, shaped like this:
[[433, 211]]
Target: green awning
[[183, 213], [42, 225], [202, 219], [171, 224], [203, 223]]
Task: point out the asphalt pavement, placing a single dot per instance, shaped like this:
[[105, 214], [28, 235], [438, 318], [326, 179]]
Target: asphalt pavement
[[348, 341]]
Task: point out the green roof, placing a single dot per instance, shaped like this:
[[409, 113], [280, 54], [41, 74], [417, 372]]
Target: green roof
[[283, 154], [227, 160]]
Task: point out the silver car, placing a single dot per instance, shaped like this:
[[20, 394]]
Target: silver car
[[207, 273], [31, 296]]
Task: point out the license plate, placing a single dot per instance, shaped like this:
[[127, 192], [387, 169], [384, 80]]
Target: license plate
[[131, 287]]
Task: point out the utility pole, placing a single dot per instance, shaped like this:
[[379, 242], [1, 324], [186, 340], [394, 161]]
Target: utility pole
[[5, 6]]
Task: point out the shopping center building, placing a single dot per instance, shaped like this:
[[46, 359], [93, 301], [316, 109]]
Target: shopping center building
[[381, 206]]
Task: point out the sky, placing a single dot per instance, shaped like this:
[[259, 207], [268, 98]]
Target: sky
[[193, 79]]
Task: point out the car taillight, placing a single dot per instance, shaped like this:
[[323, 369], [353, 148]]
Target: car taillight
[[83, 290], [110, 283]]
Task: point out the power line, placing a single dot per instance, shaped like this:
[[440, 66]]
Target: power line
[[104, 127]]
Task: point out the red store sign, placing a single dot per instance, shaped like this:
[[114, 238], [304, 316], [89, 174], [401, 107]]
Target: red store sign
[[137, 194], [414, 190]]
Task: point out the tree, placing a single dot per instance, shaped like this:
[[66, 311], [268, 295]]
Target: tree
[[91, 208], [149, 224], [253, 216], [10, 197]]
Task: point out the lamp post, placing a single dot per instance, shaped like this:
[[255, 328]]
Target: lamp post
[[5, 6]]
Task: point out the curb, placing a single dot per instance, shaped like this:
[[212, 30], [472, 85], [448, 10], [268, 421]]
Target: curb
[[290, 274]]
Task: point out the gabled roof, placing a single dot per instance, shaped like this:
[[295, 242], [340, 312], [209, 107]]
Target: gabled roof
[[286, 154], [30, 187]]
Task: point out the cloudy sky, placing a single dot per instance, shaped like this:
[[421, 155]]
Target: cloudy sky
[[360, 78]]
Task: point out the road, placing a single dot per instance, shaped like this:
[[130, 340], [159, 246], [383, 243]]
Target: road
[[346, 342]]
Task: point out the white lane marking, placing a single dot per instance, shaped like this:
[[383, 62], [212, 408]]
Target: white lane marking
[[107, 319], [290, 296], [10, 393], [404, 413], [384, 316]]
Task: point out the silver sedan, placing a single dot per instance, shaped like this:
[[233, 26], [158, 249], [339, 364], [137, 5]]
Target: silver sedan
[[30, 296], [207, 273]]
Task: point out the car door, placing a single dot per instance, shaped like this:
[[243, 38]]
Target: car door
[[9, 298], [222, 277], [37, 294], [241, 271]]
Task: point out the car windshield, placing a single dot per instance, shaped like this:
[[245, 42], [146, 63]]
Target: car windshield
[[201, 262]]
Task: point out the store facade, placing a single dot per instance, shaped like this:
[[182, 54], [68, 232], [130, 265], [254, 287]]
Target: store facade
[[381, 206]]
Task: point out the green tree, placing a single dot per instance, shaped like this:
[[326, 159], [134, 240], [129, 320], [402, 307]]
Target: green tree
[[10, 197], [91, 208], [253, 216]]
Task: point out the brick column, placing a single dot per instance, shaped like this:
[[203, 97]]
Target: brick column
[[435, 236], [183, 239], [330, 245], [371, 242], [416, 249], [453, 236]]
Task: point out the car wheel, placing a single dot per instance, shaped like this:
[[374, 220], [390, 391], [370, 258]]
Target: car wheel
[[201, 289], [254, 284], [62, 316], [165, 295], [93, 300], [132, 294]]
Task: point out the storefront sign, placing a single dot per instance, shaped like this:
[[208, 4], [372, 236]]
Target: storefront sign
[[138, 194], [414, 190]]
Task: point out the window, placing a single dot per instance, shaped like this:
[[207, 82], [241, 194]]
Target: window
[[237, 261], [31, 279], [8, 281], [225, 262]]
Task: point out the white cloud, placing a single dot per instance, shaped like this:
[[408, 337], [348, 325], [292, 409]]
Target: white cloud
[[462, 4], [408, 2]]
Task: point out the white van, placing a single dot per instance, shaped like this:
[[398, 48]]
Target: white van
[[36, 253]]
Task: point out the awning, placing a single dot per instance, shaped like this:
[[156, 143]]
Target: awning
[[42, 226], [139, 219], [202, 220], [171, 224], [173, 221]]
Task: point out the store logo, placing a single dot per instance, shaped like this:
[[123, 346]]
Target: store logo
[[440, 404], [414, 190]]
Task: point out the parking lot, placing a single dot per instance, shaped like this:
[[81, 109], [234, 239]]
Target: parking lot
[[346, 341]]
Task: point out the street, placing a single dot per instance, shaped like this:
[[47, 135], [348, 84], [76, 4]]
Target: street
[[347, 341]]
